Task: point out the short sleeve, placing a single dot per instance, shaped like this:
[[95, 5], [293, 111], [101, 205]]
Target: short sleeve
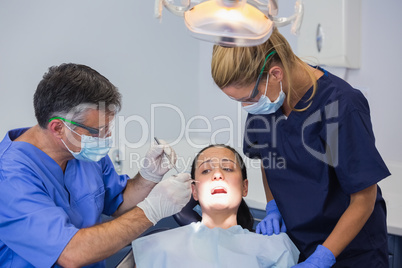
[[30, 223], [114, 186], [359, 163]]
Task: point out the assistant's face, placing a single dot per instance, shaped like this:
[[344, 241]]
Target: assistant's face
[[219, 184], [250, 94]]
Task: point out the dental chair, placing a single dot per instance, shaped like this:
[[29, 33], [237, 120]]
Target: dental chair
[[186, 216]]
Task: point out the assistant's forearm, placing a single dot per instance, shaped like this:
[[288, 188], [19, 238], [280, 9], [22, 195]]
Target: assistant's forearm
[[352, 221], [96, 243]]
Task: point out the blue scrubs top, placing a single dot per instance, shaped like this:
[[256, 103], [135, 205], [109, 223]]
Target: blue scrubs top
[[314, 160], [42, 208]]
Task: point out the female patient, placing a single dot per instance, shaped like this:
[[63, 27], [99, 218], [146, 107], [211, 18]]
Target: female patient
[[222, 238]]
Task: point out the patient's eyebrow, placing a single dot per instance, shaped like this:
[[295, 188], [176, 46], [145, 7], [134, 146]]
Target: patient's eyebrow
[[223, 160], [207, 161], [228, 160]]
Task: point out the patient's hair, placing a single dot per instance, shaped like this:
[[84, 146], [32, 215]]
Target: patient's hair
[[244, 217], [72, 89]]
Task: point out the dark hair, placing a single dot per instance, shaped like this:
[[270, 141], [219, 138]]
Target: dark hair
[[65, 87], [244, 217]]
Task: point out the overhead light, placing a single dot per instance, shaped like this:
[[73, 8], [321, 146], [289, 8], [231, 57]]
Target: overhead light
[[230, 22], [240, 24]]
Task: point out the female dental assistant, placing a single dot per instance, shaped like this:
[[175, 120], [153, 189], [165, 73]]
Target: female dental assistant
[[313, 134]]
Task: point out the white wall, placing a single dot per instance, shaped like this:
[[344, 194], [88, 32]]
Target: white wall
[[380, 73], [149, 61]]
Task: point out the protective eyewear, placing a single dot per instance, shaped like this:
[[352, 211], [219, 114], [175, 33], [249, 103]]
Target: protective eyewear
[[255, 91], [101, 132]]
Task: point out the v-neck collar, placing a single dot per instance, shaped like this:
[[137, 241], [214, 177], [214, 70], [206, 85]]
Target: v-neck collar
[[294, 115], [51, 164]]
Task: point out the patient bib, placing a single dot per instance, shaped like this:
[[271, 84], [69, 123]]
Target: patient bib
[[196, 245]]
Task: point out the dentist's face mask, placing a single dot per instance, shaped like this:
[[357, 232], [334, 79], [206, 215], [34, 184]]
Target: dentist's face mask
[[264, 104], [92, 148]]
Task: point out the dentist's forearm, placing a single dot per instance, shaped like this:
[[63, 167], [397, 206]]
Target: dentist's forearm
[[96, 243], [136, 190]]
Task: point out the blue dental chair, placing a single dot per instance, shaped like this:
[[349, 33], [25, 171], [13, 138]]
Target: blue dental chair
[[187, 215]]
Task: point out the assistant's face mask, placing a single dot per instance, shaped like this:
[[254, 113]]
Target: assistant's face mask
[[92, 148], [264, 104]]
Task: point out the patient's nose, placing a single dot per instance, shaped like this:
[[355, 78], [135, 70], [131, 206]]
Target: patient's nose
[[217, 174]]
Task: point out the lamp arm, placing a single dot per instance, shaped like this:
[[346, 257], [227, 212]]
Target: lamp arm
[[177, 10], [158, 9], [296, 18], [273, 8], [299, 10]]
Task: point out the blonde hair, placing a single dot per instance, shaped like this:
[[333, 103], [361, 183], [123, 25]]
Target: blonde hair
[[240, 66]]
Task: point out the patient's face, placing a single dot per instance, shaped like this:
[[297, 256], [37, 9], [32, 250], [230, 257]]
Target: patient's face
[[219, 184]]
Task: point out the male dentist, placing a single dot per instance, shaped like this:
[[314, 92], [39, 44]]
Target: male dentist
[[56, 179]]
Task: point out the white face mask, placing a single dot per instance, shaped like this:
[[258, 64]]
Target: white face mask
[[92, 148], [264, 104]]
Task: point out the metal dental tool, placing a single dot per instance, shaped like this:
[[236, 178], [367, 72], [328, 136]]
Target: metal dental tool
[[174, 166]]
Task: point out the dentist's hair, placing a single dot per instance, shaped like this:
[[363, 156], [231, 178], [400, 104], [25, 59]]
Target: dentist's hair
[[70, 90], [244, 217], [240, 66]]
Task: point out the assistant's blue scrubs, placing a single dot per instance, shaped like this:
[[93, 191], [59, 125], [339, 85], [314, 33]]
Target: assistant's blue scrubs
[[314, 160], [42, 208]]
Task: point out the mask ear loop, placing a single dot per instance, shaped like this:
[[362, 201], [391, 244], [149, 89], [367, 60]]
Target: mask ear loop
[[280, 92], [72, 152], [66, 144], [266, 85], [263, 67], [71, 129]]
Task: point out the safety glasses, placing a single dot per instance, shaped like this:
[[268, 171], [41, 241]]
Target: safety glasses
[[101, 132], [255, 91]]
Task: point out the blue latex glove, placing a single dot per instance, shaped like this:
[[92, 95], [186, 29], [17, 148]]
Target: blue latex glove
[[321, 258], [273, 222]]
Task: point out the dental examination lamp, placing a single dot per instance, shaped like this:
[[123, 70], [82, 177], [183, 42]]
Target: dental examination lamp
[[231, 22]]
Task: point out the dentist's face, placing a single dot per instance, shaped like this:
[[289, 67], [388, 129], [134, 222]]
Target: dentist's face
[[219, 183]]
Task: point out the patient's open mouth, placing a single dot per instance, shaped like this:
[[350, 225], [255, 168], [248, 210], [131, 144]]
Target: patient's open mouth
[[219, 190]]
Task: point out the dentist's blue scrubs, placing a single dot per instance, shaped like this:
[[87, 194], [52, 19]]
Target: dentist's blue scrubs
[[314, 160], [41, 208]]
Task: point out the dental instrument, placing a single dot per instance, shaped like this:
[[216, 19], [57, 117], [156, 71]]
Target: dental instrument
[[167, 156]]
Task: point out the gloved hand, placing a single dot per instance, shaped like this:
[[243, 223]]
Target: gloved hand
[[321, 258], [167, 198], [156, 164], [273, 222]]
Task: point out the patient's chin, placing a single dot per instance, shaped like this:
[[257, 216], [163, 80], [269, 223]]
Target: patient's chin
[[220, 205]]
